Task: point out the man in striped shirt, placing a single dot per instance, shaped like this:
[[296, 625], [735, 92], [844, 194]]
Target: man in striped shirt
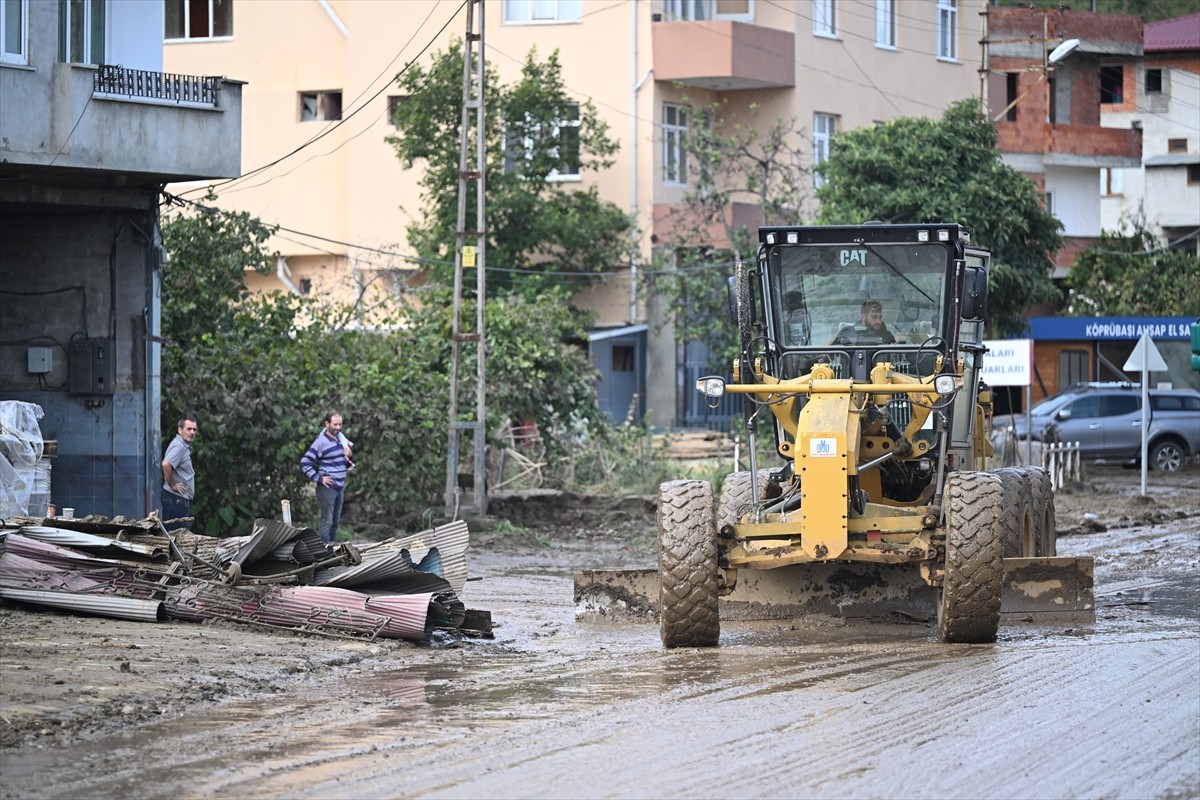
[[325, 463]]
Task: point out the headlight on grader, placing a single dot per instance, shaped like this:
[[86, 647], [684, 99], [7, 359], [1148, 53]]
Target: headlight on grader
[[944, 384], [712, 386]]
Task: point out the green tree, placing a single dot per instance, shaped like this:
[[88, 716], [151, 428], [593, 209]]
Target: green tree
[[1128, 273], [211, 250], [949, 170], [260, 372], [534, 131], [731, 163]]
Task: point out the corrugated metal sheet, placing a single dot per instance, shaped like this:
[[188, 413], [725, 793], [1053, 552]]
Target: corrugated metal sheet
[[406, 599], [268, 535], [100, 605], [71, 538], [440, 550]]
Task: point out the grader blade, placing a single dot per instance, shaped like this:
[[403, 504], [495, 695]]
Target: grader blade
[[1034, 590], [1048, 590]]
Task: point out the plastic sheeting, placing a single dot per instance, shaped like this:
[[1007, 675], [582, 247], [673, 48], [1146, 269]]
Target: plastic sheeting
[[20, 451]]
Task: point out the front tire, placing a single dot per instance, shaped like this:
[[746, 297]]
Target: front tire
[[687, 565], [737, 498], [969, 610]]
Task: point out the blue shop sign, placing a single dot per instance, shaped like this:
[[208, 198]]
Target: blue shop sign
[[1072, 329]]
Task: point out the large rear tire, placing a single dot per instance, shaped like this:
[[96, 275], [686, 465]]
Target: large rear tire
[[1041, 498], [687, 565], [1019, 526], [737, 498], [969, 611]]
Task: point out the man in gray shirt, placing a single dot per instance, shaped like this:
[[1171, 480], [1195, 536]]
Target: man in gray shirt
[[179, 479]]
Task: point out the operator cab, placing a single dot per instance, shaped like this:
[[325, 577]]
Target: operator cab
[[856, 296]]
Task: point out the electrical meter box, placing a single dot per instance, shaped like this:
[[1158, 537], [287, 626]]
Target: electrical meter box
[[91, 366], [40, 360]]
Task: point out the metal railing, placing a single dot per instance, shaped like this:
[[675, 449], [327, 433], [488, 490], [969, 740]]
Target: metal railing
[[1062, 460], [165, 86]]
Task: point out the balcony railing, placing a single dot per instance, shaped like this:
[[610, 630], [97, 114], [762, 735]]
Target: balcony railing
[[158, 86]]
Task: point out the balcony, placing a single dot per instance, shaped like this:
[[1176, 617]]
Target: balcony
[[724, 55], [148, 127], [1093, 146]]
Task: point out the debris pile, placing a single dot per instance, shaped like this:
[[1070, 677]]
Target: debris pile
[[278, 576]]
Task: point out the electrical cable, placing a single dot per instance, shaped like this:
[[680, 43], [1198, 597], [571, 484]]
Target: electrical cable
[[329, 129]]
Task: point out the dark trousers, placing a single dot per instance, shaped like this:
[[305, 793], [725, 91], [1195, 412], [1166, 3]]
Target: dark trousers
[[175, 507], [330, 501]]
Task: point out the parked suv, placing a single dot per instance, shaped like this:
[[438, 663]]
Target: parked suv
[[1106, 420]]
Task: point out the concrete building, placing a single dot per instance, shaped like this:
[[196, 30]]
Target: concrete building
[[1166, 184], [84, 150], [319, 76], [1053, 76]]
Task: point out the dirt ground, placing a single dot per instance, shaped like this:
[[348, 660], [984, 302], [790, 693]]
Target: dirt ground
[[67, 678]]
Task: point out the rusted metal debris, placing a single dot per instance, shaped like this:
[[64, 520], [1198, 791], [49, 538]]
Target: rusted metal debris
[[278, 576]]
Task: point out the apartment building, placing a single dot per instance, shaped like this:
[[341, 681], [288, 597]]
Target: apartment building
[[319, 87], [1165, 185], [1054, 77], [84, 149]]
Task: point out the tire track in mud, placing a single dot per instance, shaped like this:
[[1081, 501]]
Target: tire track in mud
[[555, 709]]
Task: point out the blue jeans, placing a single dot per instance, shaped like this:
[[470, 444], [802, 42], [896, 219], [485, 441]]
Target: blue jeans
[[330, 501], [175, 507]]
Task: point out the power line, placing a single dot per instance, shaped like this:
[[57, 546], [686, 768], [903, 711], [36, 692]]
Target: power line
[[345, 118]]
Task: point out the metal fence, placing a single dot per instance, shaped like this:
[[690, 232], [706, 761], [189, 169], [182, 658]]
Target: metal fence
[[1062, 461], [166, 86]]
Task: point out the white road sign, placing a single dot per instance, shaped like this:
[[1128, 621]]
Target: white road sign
[[1008, 362]]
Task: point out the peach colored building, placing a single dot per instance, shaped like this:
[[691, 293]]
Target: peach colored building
[[318, 87]]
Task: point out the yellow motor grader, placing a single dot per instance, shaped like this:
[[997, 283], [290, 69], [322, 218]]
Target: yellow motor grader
[[862, 346]]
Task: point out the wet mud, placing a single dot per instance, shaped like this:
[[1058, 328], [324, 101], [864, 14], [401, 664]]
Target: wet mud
[[551, 707]]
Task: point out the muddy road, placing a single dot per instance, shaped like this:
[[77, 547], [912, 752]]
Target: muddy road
[[555, 708]]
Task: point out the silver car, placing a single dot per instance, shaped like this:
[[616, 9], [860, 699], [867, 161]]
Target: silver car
[[1106, 420]]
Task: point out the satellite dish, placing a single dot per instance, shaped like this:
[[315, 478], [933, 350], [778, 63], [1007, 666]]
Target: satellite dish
[[1063, 50]]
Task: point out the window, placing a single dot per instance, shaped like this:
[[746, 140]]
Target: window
[[675, 127], [885, 23], [320, 106], [197, 19], [1112, 181], [1154, 81], [14, 31], [1112, 84], [1010, 95], [81, 31], [1174, 402], [305, 286], [824, 126], [708, 9], [947, 29], [1072, 367], [533, 12], [1118, 405], [1193, 174], [1176, 145], [622, 358], [1050, 201], [521, 145], [825, 18]]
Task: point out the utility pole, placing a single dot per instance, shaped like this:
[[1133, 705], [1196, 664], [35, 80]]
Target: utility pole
[[468, 256]]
